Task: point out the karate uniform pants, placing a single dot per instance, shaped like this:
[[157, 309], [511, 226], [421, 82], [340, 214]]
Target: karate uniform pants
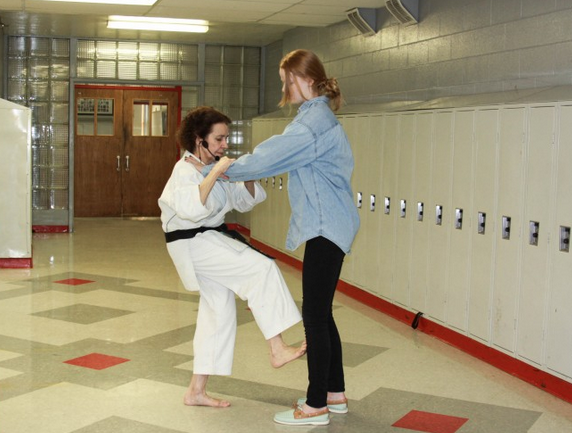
[[224, 268]]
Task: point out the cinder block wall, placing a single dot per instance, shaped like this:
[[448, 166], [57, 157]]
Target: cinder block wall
[[459, 47]]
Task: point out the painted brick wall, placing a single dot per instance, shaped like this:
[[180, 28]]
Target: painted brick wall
[[459, 47]]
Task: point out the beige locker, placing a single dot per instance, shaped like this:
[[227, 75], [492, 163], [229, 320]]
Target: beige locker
[[259, 221], [388, 192], [536, 250], [358, 130], [405, 210], [510, 205], [558, 336], [462, 226], [422, 209], [372, 218], [440, 203], [347, 123], [483, 243], [282, 201]]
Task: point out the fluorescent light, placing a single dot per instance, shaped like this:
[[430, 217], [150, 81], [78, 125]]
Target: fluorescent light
[[112, 2], [160, 24]]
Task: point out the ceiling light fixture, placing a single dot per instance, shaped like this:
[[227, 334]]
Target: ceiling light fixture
[[159, 24], [112, 2]]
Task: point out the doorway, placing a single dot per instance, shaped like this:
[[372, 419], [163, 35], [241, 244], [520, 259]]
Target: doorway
[[125, 149]]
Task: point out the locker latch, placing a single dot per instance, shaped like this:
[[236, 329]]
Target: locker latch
[[482, 220], [458, 218], [438, 215], [564, 239], [506, 227], [534, 228]]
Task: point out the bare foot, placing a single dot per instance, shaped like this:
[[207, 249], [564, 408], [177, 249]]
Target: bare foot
[[286, 354], [204, 400]]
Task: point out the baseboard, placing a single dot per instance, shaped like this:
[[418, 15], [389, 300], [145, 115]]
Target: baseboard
[[16, 263]]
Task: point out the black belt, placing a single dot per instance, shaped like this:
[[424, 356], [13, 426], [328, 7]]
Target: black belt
[[223, 228]]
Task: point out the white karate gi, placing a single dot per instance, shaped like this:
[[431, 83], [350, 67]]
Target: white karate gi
[[220, 267]]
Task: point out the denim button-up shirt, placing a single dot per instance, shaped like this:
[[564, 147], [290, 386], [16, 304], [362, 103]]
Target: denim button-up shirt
[[315, 150]]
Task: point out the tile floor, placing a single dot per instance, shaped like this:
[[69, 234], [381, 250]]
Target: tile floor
[[97, 337]]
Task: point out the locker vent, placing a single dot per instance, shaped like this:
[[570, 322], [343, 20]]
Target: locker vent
[[363, 19], [404, 11]]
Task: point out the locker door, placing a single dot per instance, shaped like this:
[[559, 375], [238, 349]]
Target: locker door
[[422, 209], [462, 213], [537, 209], [388, 190], [483, 243], [363, 149], [352, 126], [260, 214], [558, 335], [405, 217], [508, 251], [282, 199], [439, 234], [371, 220]]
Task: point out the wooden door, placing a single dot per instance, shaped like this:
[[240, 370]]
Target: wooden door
[[124, 149], [98, 149], [150, 148]]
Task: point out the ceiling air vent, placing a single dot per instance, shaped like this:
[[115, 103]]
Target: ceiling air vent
[[363, 19], [404, 11]]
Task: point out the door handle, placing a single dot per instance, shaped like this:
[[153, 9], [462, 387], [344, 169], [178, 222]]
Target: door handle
[[118, 163], [127, 163]]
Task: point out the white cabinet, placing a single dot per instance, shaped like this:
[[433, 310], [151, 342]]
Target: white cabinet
[[15, 186]]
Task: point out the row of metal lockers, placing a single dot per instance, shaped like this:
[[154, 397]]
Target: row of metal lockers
[[465, 216]]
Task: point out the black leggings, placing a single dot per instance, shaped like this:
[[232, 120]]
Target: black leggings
[[320, 273]]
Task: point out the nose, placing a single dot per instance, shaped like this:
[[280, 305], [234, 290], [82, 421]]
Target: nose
[[225, 143]]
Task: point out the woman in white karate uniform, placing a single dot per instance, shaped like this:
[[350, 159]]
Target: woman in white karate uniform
[[193, 208]]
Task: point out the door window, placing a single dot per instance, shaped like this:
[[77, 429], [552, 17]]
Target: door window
[[150, 118], [95, 116]]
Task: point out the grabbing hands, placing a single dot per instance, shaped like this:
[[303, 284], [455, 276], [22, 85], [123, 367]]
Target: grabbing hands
[[222, 165]]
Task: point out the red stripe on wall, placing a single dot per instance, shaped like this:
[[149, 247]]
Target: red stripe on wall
[[515, 367]]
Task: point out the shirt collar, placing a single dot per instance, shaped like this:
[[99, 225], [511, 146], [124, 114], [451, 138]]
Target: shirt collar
[[307, 104]]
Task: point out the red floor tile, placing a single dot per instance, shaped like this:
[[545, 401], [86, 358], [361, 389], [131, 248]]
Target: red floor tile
[[74, 281], [96, 361], [430, 422]]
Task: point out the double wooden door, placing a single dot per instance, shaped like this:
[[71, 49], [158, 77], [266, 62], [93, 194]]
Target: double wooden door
[[125, 149]]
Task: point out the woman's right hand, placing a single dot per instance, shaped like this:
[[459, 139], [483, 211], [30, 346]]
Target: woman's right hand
[[222, 165]]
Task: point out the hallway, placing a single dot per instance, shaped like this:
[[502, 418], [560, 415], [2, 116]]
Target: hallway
[[97, 337]]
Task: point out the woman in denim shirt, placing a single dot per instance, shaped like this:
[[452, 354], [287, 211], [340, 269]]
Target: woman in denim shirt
[[315, 151]]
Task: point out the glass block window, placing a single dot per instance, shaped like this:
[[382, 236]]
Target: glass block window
[[38, 77], [232, 80], [137, 61]]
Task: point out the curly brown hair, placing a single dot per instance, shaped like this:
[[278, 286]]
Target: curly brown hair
[[198, 123]]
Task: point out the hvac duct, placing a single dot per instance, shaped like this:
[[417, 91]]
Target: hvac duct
[[404, 11]]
